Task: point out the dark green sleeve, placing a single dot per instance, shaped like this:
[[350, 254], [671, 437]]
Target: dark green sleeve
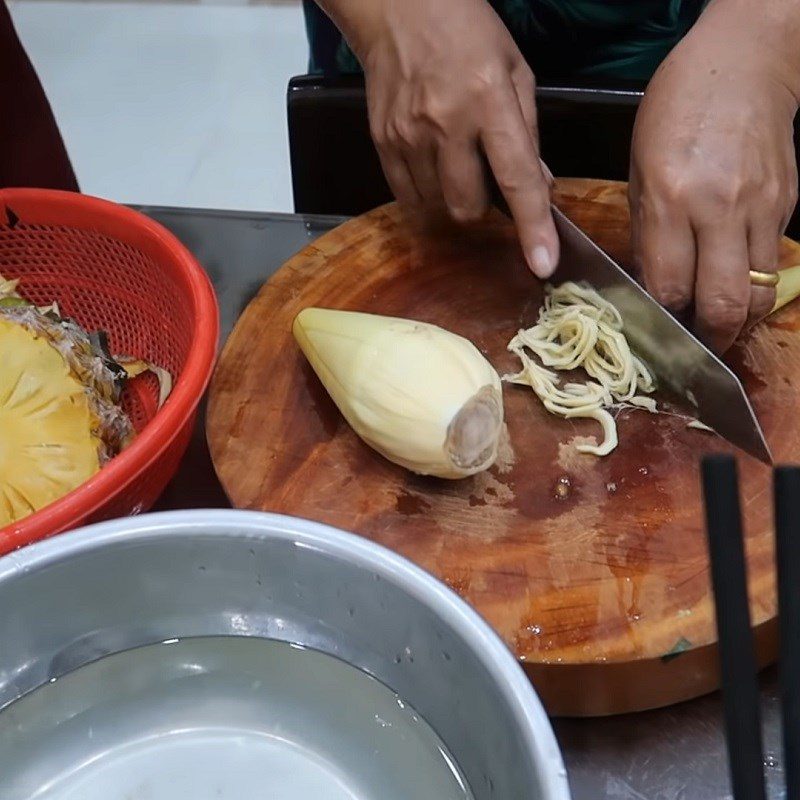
[[624, 39], [328, 51]]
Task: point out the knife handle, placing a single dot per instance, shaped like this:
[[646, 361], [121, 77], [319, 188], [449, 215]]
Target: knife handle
[[788, 287]]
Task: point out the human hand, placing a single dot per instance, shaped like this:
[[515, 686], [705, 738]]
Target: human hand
[[449, 92], [713, 175]]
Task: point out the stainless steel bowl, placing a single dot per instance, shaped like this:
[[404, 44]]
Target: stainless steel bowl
[[75, 598]]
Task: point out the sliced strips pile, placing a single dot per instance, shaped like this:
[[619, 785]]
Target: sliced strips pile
[[578, 329]]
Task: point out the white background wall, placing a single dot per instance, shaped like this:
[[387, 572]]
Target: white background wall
[[171, 103]]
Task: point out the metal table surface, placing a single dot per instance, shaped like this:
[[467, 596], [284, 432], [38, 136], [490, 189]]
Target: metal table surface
[[671, 754]]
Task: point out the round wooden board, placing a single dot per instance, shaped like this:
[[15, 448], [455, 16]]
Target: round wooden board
[[604, 595]]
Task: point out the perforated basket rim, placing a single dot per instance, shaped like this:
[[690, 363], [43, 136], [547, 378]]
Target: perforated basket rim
[[170, 420]]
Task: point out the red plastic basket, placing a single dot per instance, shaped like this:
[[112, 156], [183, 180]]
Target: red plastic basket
[[113, 269]]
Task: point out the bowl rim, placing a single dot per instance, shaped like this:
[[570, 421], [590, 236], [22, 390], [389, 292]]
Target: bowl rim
[[513, 684], [169, 421]]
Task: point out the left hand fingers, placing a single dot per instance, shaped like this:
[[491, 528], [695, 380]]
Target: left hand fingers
[[722, 289], [763, 237], [665, 251]]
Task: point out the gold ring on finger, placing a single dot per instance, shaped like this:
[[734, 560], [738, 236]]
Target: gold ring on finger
[[768, 279]]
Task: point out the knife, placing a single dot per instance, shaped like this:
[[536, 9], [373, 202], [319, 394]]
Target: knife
[[678, 359]]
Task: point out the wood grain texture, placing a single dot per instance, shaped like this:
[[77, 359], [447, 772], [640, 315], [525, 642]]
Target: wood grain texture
[[604, 594]]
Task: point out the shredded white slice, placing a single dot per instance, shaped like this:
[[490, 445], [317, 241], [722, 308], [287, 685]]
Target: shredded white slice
[[644, 402], [577, 328], [699, 426]]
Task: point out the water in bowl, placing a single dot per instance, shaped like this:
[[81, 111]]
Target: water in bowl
[[221, 718]]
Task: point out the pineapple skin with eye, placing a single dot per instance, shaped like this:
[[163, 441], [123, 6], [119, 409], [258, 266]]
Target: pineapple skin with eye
[[423, 397], [47, 445]]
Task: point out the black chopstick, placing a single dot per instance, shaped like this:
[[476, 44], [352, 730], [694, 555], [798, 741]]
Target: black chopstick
[[787, 553], [736, 647]]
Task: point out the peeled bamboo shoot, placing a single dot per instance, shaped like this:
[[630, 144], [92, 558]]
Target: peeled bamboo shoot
[[421, 396]]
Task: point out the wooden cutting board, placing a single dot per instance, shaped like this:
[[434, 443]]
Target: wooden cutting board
[[602, 594]]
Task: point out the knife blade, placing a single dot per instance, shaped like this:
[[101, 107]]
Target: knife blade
[[678, 359]]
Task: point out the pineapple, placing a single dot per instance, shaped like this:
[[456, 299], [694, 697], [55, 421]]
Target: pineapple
[[47, 443], [60, 413]]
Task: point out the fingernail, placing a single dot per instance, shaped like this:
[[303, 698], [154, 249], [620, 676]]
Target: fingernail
[[541, 262]]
